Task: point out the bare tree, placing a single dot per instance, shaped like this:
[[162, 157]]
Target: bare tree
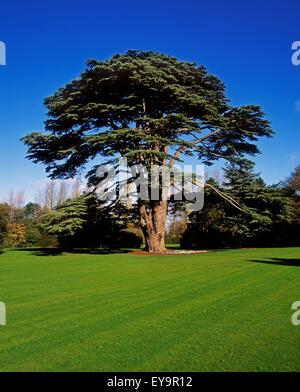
[[50, 194], [20, 199], [63, 192], [76, 188], [16, 201]]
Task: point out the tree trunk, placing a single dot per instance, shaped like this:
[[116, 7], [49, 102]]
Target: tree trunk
[[153, 224]]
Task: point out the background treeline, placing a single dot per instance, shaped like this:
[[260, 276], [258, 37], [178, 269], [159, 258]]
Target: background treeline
[[65, 215], [239, 211], [252, 214], [20, 223]]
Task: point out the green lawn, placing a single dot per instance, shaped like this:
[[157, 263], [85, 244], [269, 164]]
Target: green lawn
[[223, 311]]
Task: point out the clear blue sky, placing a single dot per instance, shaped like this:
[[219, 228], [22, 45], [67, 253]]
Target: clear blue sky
[[246, 43]]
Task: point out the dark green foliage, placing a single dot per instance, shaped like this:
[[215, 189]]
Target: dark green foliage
[[67, 219], [263, 213], [4, 220], [129, 237], [138, 105], [31, 211], [86, 222], [2, 231]]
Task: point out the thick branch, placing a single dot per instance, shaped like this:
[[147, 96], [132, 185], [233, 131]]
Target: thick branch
[[193, 142]]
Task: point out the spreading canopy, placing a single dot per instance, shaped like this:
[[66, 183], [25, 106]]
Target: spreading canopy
[[145, 106]]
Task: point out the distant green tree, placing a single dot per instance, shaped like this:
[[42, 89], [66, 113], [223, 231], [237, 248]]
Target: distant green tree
[[87, 222], [31, 210], [150, 108], [247, 217], [264, 205], [4, 221], [66, 219]]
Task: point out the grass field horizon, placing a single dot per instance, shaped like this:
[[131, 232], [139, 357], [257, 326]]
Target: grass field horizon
[[226, 310]]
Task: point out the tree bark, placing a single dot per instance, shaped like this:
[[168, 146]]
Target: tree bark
[[153, 224]]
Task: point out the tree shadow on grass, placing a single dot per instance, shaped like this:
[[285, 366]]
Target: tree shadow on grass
[[279, 261], [60, 251]]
